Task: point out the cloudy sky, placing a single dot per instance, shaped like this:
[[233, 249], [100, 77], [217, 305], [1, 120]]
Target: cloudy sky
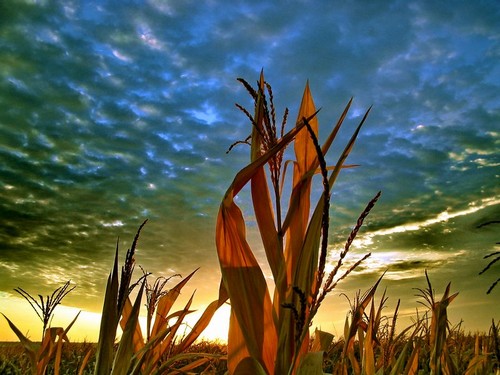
[[116, 112]]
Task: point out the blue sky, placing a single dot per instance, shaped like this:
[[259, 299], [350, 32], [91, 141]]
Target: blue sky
[[116, 112]]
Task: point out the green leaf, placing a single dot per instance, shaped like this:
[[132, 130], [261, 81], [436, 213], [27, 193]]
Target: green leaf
[[249, 366], [123, 357], [311, 364], [109, 323]]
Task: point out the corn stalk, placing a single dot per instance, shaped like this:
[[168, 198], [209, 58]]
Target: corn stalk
[[271, 335]]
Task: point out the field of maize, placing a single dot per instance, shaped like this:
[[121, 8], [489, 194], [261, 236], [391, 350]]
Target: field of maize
[[270, 328]]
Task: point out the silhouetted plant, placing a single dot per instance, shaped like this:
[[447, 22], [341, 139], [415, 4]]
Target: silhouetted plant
[[45, 308], [50, 347]]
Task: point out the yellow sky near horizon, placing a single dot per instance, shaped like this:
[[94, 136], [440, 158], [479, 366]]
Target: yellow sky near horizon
[[86, 327]]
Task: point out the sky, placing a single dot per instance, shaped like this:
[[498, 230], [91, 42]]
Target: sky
[[116, 112]]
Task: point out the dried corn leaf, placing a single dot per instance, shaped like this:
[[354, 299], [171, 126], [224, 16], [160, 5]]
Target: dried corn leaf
[[126, 313], [205, 319], [322, 341], [368, 352], [246, 287], [305, 151], [125, 352]]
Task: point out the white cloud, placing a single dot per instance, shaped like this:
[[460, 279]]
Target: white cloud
[[365, 240]]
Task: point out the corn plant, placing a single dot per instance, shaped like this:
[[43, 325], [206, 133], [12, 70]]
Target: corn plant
[[396, 357], [439, 361], [271, 335], [52, 337], [115, 298], [50, 348], [378, 350], [160, 351], [486, 353], [45, 308], [355, 328]]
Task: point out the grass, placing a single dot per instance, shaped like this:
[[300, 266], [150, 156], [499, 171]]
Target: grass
[[269, 332]]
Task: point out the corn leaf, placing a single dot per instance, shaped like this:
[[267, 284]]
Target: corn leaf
[[52, 346], [476, 364], [322, 341], [305, 151], [62, 337], [246, 287], [297, 252], [357, 318], [85, 362], [163, 343], [193, 364], [163, 369], [237, 351], [399, 364], [311, 364], [249, 366], [29, 347], [58, 355], [147, 358], [47, 348], [126, 314], [204, 320], [333, 134], [123, 357], [412, 364], [168, 342], [307, 254], [357, 324], [109, 323], [368, 353]]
